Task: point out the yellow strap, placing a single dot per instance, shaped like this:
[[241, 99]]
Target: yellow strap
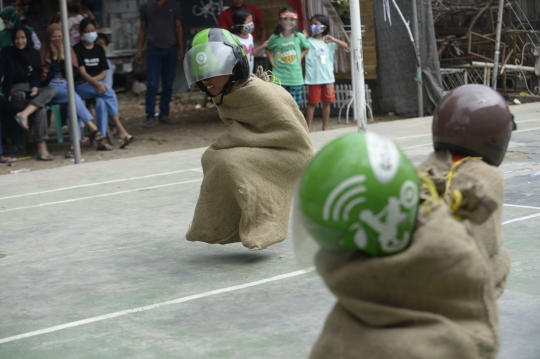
[[273, 77], [428, 184], [454, 198]]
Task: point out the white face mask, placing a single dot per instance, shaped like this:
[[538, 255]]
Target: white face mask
[[90, 36], [248, 28]]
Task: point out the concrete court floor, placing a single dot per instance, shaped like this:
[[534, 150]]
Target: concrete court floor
[[95, 263]]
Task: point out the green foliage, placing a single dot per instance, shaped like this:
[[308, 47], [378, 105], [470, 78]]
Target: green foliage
[[342, 8]]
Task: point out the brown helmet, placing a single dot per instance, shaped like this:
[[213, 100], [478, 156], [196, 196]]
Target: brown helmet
[[474, 120]]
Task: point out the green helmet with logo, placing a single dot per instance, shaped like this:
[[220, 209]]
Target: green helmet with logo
[[215, 52], [360, 192]]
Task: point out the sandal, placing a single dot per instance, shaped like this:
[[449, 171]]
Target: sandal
[[69, 154], [96, 135], [105, 147], [45, 156], [127, 141], [23, 122], [7, 159]]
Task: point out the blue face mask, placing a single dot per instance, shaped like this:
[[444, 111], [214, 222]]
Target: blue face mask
[[317, 29], [90, 36]]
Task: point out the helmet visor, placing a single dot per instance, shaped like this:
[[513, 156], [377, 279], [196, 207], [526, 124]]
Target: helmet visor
[[208, 60]]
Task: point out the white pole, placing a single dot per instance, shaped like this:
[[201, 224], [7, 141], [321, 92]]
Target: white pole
[[71, 83], [419, 64], [358, 65], [355, 113], [497, 44]]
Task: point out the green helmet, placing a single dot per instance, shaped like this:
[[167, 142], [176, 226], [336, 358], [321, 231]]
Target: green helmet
[[360, 192], [215, 52]]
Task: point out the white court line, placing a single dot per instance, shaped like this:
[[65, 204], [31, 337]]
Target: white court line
[[430, 144], [527, 129], [53, 255], [535, 120], [100, 183], [153, 306], [177, 301], [427, 144], [521, 219], [99, 195], [429, 134], [406, 137], [520, 206]]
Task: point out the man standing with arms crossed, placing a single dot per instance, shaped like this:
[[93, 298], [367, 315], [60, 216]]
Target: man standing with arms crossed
[[161, 27]]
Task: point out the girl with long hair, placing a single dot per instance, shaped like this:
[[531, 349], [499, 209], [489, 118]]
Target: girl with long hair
[[20, 68], [54, 74]]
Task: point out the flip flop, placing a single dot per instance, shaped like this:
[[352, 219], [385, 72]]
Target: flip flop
[[69, 154], [23, 122], [7, 159], [127, 141], [44, 156]]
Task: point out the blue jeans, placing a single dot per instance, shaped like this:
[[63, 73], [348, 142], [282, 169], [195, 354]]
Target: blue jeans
[[160, 62], [106, 103], [62, 98]]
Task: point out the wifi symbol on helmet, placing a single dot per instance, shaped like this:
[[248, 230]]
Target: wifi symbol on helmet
[[344, 198]]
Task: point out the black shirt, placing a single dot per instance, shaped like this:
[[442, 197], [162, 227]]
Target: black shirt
[[93, 60], [161, 23]]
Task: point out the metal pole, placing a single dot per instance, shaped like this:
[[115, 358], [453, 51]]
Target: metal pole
[[358, 64], [418, 65], [497, 44], [71, 83], [355, 112]]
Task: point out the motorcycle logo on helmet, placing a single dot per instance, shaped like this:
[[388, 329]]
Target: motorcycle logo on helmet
[[360, 192]]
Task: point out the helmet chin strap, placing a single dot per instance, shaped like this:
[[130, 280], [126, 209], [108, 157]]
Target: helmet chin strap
[[226, 89]]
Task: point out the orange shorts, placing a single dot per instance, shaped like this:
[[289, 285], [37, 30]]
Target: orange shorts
[[316, 93]]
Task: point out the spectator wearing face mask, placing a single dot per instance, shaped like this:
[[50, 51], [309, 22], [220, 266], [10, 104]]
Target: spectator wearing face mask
[[286, 50], [225, 20], [93, 70], [12, 18], [243, 28]]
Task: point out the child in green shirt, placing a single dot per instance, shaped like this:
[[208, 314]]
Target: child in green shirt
[[286, 49]]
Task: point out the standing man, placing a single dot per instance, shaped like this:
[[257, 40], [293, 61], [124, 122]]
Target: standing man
[[225, 18], [161, 27]]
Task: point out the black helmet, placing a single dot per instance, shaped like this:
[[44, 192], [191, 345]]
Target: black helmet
[[474, 120]]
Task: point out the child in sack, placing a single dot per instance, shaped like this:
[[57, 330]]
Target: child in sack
[[320, 68], [250, 171], [472, 126]]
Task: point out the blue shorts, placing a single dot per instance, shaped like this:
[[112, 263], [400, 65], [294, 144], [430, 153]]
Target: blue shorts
[[296, 93]]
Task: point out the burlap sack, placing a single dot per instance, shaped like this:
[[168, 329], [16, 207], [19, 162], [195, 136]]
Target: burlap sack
[[482, 187], [250, 172], [434, 300]]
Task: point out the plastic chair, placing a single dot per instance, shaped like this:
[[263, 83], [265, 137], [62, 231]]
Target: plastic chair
[[55, 109]]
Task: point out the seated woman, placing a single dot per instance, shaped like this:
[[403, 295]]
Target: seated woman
[[52, 57], [11, 18], [20, 67], [93, 70]]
